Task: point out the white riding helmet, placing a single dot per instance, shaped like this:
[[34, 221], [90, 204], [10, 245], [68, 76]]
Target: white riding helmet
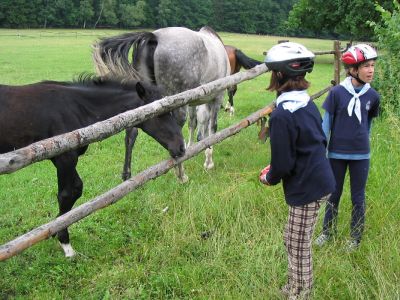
[[290, 58], [358, 53]]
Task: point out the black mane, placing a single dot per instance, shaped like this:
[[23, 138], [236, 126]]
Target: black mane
[[92, 80]]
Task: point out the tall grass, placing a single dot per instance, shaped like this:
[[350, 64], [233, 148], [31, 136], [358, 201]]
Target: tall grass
[[221, 237]]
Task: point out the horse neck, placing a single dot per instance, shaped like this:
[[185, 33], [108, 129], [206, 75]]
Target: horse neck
[[104, 104]]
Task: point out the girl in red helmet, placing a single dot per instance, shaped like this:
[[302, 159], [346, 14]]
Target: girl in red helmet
[[350, 108], [298, 159]]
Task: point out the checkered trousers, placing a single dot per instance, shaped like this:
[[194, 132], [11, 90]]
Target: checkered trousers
[[297, 239]]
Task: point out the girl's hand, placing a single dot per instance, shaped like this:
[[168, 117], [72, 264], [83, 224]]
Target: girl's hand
[[263, 173]]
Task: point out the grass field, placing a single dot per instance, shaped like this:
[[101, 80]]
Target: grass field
[[133, 250]]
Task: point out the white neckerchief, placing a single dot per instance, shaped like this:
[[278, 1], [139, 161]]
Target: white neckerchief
[[355, 102], [294, 100]]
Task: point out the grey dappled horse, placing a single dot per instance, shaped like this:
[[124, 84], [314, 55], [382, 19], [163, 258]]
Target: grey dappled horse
[[178, 59]]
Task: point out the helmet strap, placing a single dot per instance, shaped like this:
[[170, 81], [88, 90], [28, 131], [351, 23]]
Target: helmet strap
[[356, 77], [359, 80]]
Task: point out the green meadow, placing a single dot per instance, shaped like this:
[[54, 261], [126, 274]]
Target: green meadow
[[221, 236]]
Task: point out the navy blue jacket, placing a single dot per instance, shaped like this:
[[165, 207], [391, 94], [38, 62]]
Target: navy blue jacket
[[348, 136], [298, 155]]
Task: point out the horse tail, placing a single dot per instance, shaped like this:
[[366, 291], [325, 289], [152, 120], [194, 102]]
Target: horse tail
[[245, 61], [111, 55]]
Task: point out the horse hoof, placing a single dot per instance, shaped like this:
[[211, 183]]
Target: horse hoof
[[126, 176], [68, 250], [183, 179], [209, 166]]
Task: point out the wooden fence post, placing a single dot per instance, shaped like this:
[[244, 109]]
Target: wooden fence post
[[337, 55]]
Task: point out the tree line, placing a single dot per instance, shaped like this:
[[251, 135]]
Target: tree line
[[244, 16], [347, 19]]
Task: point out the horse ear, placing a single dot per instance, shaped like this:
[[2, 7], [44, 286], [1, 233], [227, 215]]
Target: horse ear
[[141, 91]]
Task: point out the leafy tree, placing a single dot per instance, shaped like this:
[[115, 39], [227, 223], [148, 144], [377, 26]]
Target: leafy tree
[[388, 67], [109, 12], [167, 13], [86, 11], [151, 15], [217, 17], [132, 14], [18, 13], [250, 16], [61, 13], [335, 18], [269, 16], [195, 14], [106, 14]]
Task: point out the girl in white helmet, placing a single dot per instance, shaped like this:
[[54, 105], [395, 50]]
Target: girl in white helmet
[[298, 159], [350, 108]]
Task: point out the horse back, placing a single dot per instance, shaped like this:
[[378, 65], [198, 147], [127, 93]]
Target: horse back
[[185, 59], [34, 112], [231, 52]]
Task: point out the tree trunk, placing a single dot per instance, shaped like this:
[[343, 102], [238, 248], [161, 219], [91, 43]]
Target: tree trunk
[[101, 11]]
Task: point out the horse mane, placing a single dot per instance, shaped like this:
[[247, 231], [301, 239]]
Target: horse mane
[[212, 31], [92, 80]]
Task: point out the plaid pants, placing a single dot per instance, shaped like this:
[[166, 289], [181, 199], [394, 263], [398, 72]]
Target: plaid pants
[[297, 239]]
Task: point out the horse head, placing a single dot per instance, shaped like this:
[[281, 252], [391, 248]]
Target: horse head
[[163, 128]]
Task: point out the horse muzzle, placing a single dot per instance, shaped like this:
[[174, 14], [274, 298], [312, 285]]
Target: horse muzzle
[[179, 151]]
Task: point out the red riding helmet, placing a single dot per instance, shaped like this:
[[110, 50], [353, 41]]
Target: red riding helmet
[[358, 53]]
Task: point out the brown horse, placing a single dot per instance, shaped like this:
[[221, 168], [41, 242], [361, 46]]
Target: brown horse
[[237, 60], [34, 112]]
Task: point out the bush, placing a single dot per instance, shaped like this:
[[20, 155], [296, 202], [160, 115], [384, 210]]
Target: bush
[[388, 65]]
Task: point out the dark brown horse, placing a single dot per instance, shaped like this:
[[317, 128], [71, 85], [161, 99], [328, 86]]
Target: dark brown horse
[[237, 60], [38, 111]]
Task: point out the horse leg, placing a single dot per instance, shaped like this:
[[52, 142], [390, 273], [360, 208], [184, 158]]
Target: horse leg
[[70, 188], [212, 126], [192, 124], [180, 173], [208, 163], [203, 118], [180, 116], [231, 92], [229, 106], [130, 139]]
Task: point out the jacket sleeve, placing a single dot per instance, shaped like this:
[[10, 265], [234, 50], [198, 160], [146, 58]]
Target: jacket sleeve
[[283, 153], [327, 124], [374, 111], [329, 103]]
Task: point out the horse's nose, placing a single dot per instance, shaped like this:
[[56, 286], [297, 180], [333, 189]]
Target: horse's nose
[[178, 151], [182, 150]]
